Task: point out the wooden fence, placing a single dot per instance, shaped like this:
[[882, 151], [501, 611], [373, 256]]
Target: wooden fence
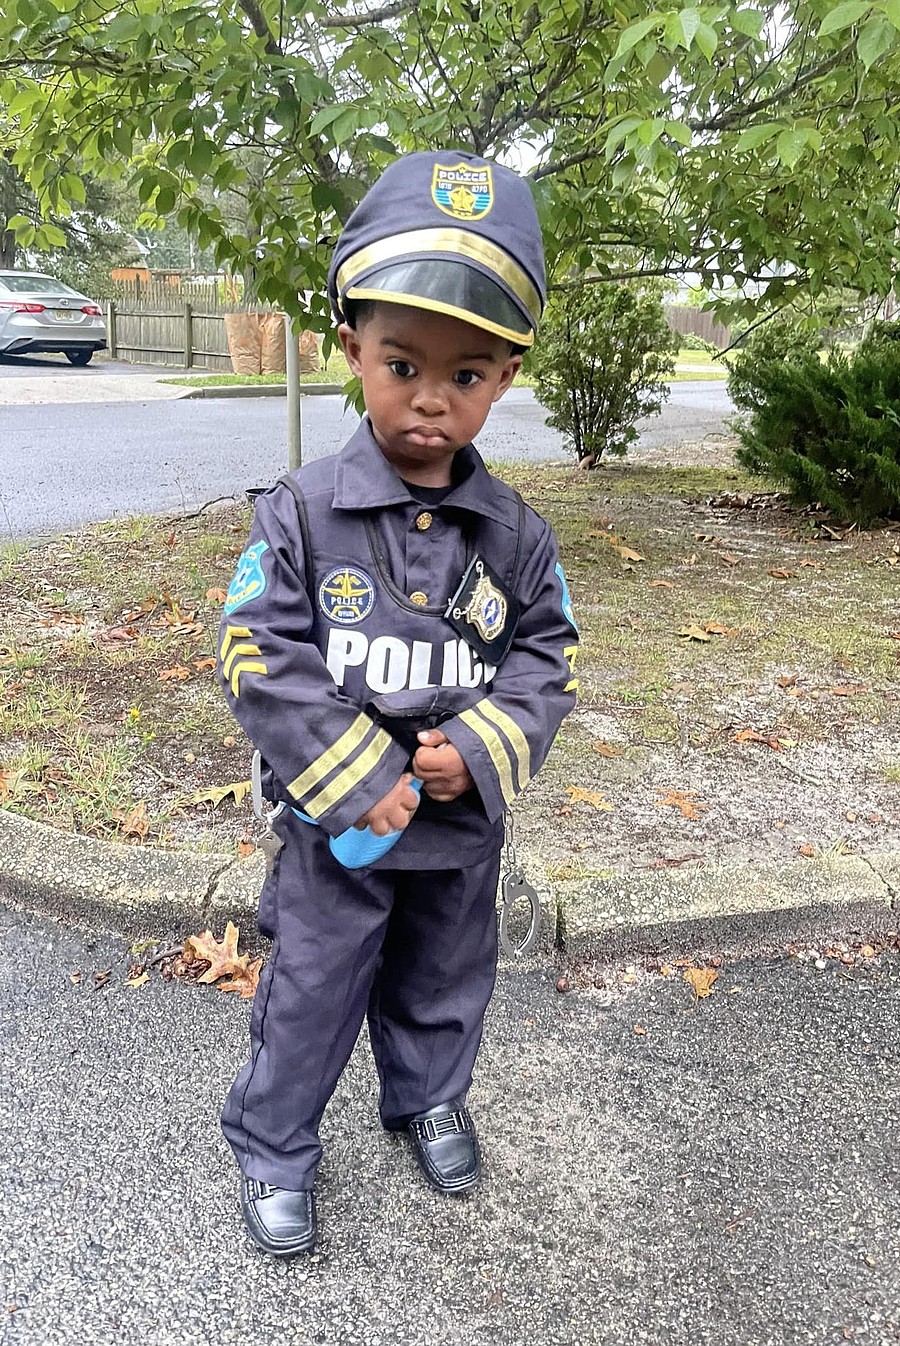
[[686, 320], [178, 321]]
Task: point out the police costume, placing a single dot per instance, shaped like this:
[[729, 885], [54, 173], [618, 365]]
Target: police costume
[[344, 634]]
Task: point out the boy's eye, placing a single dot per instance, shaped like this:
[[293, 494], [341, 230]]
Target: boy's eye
[[402, 368], [467, 378]]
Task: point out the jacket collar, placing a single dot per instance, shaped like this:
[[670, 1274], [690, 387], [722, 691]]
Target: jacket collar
[[364, 479]]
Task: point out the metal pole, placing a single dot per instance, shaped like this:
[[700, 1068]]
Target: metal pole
[[188, 336], [292, 375]]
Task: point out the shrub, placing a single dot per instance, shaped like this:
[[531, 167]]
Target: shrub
[[761, 353], [602, 356], [690, 341], [830, 431]]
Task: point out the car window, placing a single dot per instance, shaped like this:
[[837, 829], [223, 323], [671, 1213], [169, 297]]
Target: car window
[[28, 284]]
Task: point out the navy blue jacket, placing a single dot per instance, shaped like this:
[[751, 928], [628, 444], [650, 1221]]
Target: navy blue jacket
[[331, 679]]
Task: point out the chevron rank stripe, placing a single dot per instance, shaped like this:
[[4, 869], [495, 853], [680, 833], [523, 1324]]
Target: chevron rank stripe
[[235, 656]]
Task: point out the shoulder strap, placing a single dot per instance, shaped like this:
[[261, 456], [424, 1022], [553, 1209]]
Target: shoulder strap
[[519, 559], [303, 520]]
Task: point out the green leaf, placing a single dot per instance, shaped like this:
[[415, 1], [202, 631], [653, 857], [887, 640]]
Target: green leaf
[[891, 8], [877, 37], [51, 236], [689, 21], [749, 21], [165, 200], [17, 222], [707, 40], [636, 33], [790, 146], [324, 118], [680, 132], [754, 136], [843, 16]]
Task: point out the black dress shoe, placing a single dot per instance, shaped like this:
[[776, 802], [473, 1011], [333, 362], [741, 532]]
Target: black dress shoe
[[281, 1222], [446, 1147]]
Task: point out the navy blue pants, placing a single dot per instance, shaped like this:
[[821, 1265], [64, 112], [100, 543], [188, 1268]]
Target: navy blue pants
[[414, 951]]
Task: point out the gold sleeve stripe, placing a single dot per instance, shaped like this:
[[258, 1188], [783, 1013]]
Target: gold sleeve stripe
[[516, 738], [332, 757], [345, 781], [233, 633], [245, 666], [235, 652], [496, 751], [571, 654]]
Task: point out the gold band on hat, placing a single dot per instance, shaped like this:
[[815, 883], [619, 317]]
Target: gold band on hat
[[451, 311], [462, 243]]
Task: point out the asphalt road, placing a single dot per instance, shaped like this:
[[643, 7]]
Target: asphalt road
[[727, 1177], [66, 464]]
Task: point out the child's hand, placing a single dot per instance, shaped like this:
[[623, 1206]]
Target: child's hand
[[439, 766], [393, 812]]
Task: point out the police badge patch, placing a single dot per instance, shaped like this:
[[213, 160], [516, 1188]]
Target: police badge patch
[[249, 578], [484, 613], [346, 595], [463, 192]]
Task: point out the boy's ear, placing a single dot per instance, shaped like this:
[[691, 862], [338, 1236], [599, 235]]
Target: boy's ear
[[349, 340], [510, 370]]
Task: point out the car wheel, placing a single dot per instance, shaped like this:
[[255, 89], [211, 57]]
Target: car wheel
[[79, 357]]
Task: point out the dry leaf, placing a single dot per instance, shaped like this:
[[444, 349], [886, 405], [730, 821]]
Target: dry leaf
[[807, 564], [807, 850], [216, 595], [717, 629], [580, 796], [661, 584], [246, 982], [729, 558], [217, 794], [202, 665], [134, 823], [701, 979], [782, 574], [754, 736], [628, 555], [689, 560], [640, 1030], [693, 632], [607, 749], [246, 849], [222, 955], [140, 980], [788, 680], [852, 689], [176, 674], [685, 801]]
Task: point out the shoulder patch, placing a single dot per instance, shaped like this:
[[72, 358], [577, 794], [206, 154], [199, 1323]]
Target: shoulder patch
[[346, 595], [568, 613], [249, 580]]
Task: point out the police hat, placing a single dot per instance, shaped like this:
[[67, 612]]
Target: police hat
[[450, 233]]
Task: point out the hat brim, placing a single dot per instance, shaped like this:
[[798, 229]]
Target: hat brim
[[446, 286]]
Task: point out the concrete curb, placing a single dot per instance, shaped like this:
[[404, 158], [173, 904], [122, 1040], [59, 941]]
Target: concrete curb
[[259, 390], [140, 891]]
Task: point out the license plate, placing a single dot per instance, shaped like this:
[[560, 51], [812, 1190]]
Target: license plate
[[64, 315]]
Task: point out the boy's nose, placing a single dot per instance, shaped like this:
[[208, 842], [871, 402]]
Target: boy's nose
[[429, 399]]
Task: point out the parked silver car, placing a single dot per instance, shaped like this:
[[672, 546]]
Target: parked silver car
[[38, 313]]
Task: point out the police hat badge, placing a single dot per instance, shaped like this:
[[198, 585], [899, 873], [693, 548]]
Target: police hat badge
[[484, 612]]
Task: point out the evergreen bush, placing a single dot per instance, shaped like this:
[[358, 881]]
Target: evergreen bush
[[830, 431], [600, 364], [761, 353]]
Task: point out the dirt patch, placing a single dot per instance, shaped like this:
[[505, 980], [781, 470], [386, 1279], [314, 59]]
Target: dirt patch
[[738, 671]]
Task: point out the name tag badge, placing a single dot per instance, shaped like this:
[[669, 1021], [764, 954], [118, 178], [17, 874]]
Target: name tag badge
[[484, 612]]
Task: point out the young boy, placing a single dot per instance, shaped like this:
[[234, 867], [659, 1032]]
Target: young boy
[[398, 620]]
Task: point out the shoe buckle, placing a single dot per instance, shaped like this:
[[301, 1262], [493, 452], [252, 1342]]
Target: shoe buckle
[[450, 1124]]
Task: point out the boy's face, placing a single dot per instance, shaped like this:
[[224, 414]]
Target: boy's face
[[429, 382]]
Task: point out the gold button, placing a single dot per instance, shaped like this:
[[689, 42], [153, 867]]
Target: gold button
[[424, 521], [418, 598]]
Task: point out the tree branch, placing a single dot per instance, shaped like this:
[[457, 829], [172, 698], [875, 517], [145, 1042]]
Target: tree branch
[[371, 17]]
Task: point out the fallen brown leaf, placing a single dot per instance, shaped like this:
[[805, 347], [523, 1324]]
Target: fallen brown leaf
[[685, 801], [222, 955], [693, 632], [580, 796], [245, 982], [246, 849], [627, 554], [216, 595], [789, 680], [134, 822], [851, 689], [717, 629], [661, 584], [729, 558], [640, 1030], [807, 850], [701, 979], [782, 573], [178, 673], [607, 749], [217, 794], [754, 736], [202, 665]]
